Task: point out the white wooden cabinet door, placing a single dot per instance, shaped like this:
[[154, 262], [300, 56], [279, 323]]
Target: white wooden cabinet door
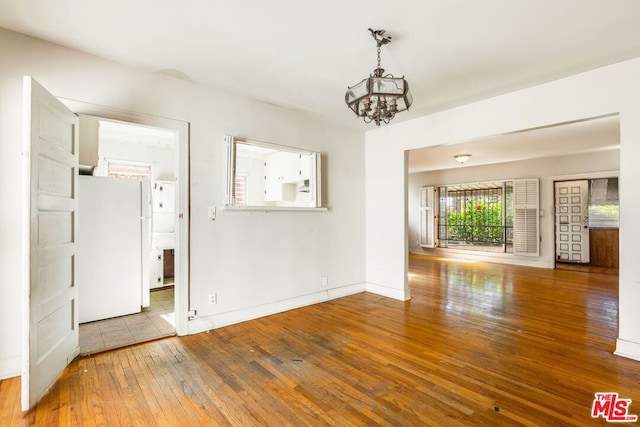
[[50, 294], [273, 177], [164, 194], [156, 267], [306, 165]]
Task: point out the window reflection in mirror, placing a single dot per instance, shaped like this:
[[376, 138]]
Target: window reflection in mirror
[[269, 175]]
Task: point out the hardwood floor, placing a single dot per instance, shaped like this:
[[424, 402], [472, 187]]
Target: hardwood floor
[[587, 268], [478, 344]]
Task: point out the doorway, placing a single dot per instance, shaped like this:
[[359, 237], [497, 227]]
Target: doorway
[[181, 252], [586, 224], [126, 233]]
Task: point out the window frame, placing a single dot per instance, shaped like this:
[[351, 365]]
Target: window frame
[[314, 186], [525, 235]]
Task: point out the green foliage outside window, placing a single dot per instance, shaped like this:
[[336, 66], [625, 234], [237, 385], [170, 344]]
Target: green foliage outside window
[[479, 223]]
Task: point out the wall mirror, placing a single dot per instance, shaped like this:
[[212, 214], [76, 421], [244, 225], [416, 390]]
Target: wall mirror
[[261, 174]]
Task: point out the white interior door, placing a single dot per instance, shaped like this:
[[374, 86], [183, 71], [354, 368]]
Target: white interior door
[[50, 320], [572, 221]]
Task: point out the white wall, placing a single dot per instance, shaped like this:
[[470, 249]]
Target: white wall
[[546, 169], [611, 89], [157, 149], [256, 262]]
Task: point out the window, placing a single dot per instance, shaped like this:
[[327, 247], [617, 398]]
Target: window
[[473, 217], [501, 216], [266, 175], [604, 204], [128, 170]]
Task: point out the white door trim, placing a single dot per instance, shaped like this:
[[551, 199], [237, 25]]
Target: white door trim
[[182, 185]]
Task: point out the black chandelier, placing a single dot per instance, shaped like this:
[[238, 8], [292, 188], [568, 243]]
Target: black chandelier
[[379, 97]]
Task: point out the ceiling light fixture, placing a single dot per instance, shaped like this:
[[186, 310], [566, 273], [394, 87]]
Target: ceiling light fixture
[[461, 158], [379, 97]]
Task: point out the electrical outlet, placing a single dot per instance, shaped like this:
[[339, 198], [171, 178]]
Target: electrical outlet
[[325, 281], [213, 298]]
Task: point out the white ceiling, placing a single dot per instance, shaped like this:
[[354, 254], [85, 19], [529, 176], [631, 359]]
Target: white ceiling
[[561, 140], [303, 55]]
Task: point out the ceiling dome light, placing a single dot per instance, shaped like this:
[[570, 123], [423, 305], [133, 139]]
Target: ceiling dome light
[[461, 158], [379, 97]]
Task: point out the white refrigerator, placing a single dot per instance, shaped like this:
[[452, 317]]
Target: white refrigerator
[[114, 226]]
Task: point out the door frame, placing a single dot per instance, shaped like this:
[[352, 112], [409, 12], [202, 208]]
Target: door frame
[[549, 194], [181, 296]]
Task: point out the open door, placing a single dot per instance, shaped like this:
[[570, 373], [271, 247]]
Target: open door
[[50, 304]]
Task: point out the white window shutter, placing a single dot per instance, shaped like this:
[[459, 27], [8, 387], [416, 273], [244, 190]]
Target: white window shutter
[[427, 228], [526, 220]]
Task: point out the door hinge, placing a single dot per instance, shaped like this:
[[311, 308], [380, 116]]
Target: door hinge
[[192, 314]]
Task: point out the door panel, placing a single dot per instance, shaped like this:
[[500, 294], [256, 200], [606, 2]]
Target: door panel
[[572, 221], [50, 338]]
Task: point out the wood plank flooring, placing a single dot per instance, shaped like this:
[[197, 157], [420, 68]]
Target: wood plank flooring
[[478, 344]]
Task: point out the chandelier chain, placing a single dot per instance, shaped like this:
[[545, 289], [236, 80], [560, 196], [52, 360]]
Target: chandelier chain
[[378, 56]]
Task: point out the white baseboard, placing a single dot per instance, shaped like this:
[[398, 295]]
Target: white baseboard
[[11, 367], [225, 319], [388, 292], [627, 349]]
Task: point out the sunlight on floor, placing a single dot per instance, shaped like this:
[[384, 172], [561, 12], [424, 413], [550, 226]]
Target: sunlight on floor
[[447, 259], [170, 318], [452, 259]]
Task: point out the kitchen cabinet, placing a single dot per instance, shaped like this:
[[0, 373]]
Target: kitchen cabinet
[[284, 172], [161, 268], [163, 235], [156, 268], [164, 195]]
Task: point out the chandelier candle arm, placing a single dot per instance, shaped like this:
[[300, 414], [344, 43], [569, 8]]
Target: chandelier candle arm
[[379, 97]]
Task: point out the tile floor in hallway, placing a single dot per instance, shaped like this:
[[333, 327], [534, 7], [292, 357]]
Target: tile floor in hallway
[[155, 321]]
